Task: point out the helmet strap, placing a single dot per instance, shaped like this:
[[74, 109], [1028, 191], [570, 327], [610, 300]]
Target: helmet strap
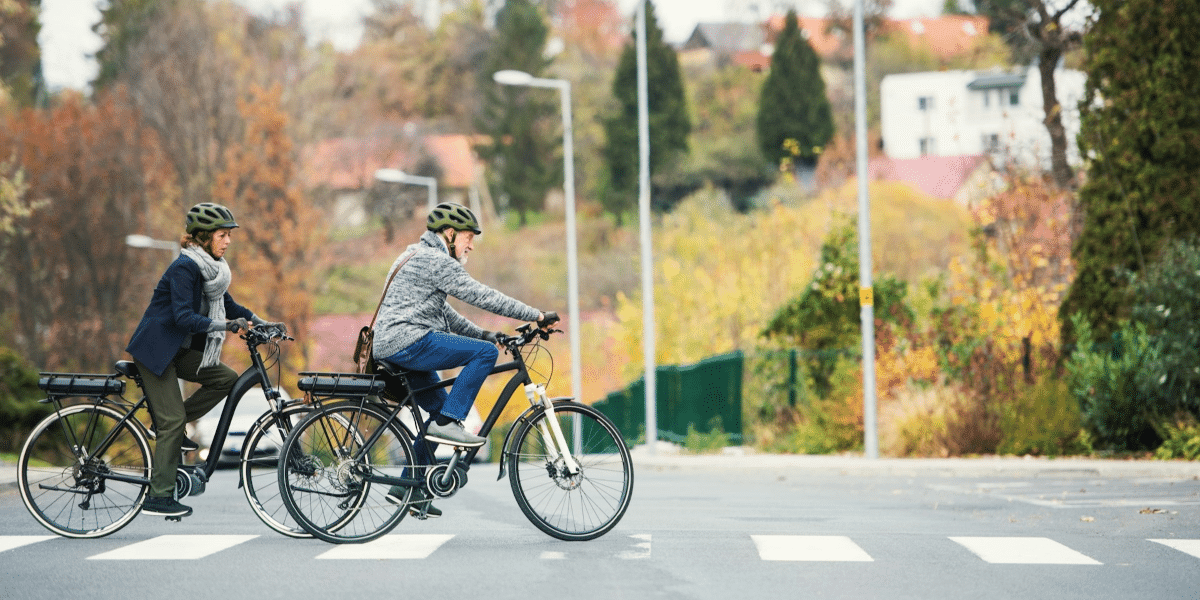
[[453, 235]]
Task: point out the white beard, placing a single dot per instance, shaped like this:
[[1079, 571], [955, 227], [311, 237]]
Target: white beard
[[462, 260]]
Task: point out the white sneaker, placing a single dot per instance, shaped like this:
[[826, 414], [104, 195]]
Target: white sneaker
[[452, 433]]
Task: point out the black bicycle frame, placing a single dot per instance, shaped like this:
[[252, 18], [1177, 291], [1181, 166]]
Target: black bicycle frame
[[253, 375], [521, 377]]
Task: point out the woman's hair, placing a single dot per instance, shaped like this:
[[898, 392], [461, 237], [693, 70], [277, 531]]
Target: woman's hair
[[200, 238]]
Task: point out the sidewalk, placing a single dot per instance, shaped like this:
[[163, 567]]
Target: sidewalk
[[667, 456]]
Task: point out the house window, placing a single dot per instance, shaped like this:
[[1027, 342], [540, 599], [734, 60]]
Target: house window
[[987, 98], [1014, 97], [925, 103], [991, 142], [927, 146]]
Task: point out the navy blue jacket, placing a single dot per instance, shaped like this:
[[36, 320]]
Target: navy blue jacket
[[174, 315]]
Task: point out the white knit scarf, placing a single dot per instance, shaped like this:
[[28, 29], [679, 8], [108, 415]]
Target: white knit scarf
[[216, 282]]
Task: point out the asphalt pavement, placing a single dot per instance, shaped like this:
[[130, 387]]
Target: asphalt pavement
[[668, 456]]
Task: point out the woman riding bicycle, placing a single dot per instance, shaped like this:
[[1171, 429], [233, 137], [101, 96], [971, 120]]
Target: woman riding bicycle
[[180, 337], [418, 331]]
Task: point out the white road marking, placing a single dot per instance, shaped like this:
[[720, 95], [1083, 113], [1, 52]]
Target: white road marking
[[395, 547], [550, 555], [810, 548], [1023, 551], [8, 542], [174, 547], [642, 549], [1188, 546]]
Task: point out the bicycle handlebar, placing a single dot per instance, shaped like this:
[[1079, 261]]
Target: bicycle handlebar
[[263, 334]]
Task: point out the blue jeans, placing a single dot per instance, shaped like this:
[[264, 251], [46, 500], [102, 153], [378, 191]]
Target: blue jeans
[[437, 351]]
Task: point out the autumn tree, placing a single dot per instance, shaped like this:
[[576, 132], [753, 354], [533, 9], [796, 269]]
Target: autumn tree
[[280, 232], [20, 56], [520, 121], [1139, 129], [87, 175], [670, 126]]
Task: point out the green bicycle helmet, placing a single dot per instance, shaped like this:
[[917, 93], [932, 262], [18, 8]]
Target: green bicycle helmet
[[208, 216], [453, 215]]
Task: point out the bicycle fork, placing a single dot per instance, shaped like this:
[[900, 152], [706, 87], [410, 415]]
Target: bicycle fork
[[552, 434]]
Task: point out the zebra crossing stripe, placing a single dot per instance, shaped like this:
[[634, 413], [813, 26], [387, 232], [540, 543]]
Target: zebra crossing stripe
[[8, 542], [641, 549], [174, 547], [1188, 546], [408, 546], [809, 548], [1023, 551]]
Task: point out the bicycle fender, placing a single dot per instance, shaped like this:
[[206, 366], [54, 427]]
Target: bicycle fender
[[525, 417]]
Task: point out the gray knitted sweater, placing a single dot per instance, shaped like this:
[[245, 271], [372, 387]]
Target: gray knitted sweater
[[415, 303]]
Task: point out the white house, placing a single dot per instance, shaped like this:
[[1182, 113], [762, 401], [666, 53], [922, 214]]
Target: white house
[[955, 113]]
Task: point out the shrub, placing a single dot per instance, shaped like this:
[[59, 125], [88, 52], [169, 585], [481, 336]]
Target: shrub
[[706, 443], [1182, 440], [1042, 420], [1106, 380], [19, 394], [1168, 303]]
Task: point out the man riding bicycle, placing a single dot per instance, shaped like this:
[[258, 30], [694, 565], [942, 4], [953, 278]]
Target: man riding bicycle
[[418, 331], [180, 337]]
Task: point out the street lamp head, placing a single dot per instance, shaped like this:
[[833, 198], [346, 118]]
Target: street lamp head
[[512, 77], [138, 240], [392, 176]]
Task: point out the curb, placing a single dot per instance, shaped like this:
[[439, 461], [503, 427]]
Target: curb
[[935, 467]]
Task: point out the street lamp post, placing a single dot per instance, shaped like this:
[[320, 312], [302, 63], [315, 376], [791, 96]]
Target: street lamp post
[[511, 77], [398, 176]]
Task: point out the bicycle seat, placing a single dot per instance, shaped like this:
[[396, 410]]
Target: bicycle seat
[[127, 368]]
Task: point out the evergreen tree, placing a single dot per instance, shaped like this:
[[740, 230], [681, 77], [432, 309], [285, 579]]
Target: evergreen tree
[[1140, 128], [122, 23], [669, 127], [794, 105], [521, 121]]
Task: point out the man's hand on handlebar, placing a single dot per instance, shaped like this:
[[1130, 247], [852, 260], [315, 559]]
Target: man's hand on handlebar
[[548, 319]]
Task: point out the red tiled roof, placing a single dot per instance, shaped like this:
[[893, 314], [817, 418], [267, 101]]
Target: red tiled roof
[[350, 163], [938, 176], [456, 158], [945, 36]]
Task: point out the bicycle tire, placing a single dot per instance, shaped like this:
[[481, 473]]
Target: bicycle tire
[[325, 489], [259, 465], [72, 496], [572, 508]]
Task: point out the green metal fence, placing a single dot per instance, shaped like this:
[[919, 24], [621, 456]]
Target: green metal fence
[[685, 395]]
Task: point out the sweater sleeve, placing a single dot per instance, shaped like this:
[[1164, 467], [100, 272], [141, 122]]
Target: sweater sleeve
[[455, 281], [461, 325]]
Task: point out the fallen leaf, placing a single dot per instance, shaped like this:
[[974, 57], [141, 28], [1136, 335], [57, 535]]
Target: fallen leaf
[[1087, 519], [1152, 511]]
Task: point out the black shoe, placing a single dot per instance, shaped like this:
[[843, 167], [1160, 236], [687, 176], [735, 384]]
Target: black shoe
[[166, 507], [188, 445], [419, 501]]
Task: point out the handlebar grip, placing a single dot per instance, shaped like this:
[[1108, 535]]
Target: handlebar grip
[[548, 319]]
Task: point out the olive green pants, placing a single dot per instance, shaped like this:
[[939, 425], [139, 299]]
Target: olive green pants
[[172, 412]]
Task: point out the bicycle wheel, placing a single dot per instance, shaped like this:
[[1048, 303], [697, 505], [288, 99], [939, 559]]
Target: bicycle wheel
[[260, 457], [68, 467], [577, 507], [326, 474]]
